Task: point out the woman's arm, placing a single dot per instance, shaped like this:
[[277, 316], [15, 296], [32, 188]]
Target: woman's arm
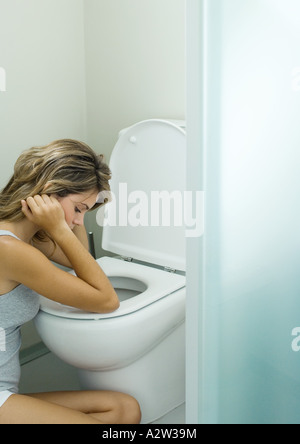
[[55, 253], [80, 233], [90, 290]]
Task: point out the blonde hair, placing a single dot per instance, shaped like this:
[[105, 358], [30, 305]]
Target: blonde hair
[[65, 166]]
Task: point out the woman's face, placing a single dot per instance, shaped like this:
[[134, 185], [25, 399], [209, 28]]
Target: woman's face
[[75, 206]]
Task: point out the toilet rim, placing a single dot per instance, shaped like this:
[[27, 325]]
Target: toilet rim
[[159, 284]]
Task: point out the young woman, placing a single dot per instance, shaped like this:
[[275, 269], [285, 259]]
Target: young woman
[[42, 212]]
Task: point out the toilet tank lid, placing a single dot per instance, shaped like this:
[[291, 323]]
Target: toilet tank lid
[[145, 220], [179, 123]]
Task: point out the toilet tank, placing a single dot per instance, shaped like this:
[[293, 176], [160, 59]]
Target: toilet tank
[[145, 218]]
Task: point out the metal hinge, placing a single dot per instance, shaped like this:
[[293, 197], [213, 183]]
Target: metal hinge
[[127, 259], [170, 270]]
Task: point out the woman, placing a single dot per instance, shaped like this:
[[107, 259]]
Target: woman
[[42, 210]]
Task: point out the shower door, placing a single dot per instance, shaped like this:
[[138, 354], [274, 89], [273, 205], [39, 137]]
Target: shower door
[[243, 124]]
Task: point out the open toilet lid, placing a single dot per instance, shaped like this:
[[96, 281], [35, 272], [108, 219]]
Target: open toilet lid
[[145, 219]]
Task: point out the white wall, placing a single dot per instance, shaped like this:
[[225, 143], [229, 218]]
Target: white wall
[[41, 50], [135, 58], [42, 53], [135, 61]]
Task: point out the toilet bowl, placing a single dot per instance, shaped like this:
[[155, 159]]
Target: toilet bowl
[[140, 348]]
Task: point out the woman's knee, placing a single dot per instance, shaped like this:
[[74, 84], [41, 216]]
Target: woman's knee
[[129, 410]]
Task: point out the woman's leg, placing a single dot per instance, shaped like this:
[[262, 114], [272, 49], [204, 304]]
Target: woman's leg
[[71, 408], [106, 406]]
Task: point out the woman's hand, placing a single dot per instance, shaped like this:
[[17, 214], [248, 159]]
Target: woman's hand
[[44, 211], [88, 290]]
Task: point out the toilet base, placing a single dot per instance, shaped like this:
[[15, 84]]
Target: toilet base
[[156, 380]]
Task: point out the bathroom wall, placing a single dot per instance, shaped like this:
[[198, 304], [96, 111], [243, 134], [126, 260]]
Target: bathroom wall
[[135, 60], [41, 50], [42, 53]]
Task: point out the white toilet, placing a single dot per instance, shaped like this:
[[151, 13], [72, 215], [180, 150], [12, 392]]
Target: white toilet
[[140, 348]]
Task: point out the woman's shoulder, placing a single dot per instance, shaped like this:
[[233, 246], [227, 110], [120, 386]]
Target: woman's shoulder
[[14, 249], [12, 253], [7, 238], [7, 235], [21, 262]]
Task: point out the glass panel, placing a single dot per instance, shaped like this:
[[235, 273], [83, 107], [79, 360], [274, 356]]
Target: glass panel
[[250, 297]]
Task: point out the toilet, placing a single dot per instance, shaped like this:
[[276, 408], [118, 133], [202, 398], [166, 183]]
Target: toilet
[[140, 348]]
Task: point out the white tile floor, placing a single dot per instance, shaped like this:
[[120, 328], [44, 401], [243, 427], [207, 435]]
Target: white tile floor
[[49, 373]]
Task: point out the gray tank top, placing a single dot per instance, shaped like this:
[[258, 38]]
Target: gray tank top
[[16, 308]]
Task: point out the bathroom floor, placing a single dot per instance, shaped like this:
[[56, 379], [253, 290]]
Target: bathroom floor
[[49, 373]]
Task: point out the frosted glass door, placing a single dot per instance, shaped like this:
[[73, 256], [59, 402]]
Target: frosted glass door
[[250, 296]]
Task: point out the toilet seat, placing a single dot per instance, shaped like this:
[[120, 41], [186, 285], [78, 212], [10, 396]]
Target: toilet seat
[[159, 284]]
